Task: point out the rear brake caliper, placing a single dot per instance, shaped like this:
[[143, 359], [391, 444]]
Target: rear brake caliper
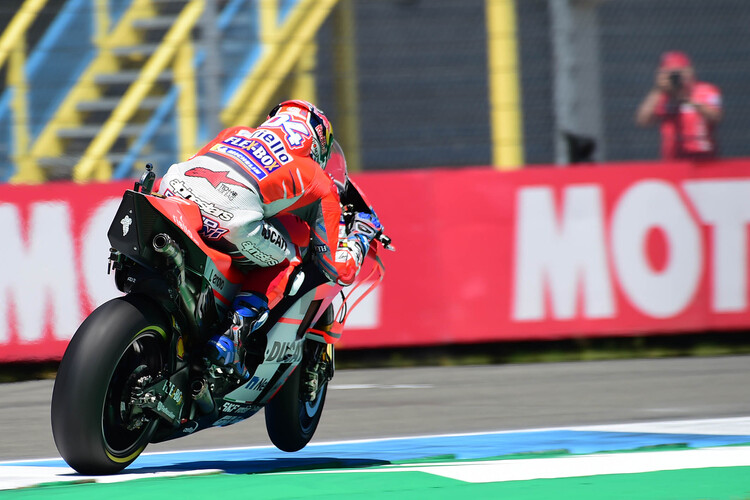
[[163, 397], [132, 404]]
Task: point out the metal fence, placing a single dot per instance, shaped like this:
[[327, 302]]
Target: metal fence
[[635, 32], [424, 84]]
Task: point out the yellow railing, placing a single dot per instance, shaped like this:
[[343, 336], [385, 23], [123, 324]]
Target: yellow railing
[[288, 57], [13, 51], [177, 35], [102, 20], [48, 143], [187, 101], [16, 30], [302, 84], [253, 98]]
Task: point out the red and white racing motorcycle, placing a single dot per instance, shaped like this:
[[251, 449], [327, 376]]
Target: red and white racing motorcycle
[[135, 371]]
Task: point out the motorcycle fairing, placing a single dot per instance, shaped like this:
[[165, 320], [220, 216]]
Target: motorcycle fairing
[[141, 217], [187, 216]]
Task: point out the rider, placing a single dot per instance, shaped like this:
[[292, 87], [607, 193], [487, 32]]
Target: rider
[[262, 192]]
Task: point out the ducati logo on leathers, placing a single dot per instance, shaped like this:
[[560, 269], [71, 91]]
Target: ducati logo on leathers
[[274, 237]]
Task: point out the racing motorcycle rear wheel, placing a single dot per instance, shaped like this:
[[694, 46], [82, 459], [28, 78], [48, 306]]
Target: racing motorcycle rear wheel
[[290, 420], [121, 344]]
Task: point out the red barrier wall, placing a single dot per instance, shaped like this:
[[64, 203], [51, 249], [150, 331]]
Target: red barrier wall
[[555, 253], [542, 253]]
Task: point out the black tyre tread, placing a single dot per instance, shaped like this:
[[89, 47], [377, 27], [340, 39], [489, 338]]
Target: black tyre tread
[[283, 415], [83, 378]]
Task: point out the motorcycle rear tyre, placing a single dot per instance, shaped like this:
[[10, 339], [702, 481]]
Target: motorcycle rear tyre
[[290, 421], [121, 334]]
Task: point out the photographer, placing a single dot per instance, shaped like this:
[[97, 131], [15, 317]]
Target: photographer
[[688, 111]]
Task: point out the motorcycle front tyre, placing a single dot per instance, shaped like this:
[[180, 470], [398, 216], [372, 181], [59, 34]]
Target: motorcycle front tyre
[[291, 421], [122, 340]]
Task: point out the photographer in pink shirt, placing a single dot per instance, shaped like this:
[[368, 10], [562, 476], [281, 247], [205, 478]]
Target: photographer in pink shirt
[[687, 111]]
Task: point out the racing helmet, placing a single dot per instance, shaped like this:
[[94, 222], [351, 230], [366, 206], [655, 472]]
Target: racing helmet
[[322, 137]]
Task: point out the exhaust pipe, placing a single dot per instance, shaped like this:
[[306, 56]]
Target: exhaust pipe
[[202, 396], [165, 245]]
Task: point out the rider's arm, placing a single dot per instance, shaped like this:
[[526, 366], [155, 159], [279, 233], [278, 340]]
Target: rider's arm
[[353, 242], [339, 260]]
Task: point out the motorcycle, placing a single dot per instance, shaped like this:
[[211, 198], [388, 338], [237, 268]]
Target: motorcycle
[[135, 371]]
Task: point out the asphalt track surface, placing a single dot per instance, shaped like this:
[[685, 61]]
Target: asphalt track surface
[[421, 401]]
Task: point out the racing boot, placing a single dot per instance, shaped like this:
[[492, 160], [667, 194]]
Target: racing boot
[[226, 350]]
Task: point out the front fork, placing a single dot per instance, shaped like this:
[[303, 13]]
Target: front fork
[[318, 360]]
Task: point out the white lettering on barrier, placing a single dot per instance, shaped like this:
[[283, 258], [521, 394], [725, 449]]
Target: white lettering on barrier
[[37, 273], [657, 293], [95, 248], [568, 256], [556, 255], [725, 206]]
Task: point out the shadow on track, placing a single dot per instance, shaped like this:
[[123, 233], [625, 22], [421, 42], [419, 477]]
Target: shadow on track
[[257, 466]]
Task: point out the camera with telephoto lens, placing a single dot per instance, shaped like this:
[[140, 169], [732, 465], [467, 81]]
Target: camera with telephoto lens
[[675, 79]]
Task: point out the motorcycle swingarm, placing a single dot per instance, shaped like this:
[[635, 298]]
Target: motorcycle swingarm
[[165, 397]]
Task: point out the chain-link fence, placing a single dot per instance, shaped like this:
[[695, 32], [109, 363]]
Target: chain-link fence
[[424, 84], [634, 33]]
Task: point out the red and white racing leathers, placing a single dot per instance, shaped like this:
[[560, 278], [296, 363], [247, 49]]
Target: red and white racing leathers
[[249, 183]]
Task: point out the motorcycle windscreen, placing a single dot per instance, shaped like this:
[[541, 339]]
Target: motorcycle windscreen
[[349, 192], [336, 167]]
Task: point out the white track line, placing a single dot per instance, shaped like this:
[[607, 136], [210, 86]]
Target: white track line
[[739, 426], [16, 476]]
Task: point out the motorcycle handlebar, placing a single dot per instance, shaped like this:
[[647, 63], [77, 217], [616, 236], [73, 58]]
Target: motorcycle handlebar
[[348, 212], [385, 241]]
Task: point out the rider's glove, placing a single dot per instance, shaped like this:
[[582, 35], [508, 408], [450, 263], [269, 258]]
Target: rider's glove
[[364, 228]]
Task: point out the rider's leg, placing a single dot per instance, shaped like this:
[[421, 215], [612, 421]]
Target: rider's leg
[[231, 348], [262, 289]]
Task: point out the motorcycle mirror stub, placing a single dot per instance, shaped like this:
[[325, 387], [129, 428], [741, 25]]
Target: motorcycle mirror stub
[[386, 242], [146, 184]]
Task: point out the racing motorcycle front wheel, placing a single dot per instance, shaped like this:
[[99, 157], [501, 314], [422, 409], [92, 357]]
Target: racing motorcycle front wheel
[[123, 343], [290, 419]]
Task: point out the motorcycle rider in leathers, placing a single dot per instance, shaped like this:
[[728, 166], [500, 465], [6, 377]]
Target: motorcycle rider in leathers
[[263, 192]]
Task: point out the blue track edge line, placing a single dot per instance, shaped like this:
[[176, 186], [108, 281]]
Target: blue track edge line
[[384, 451]]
